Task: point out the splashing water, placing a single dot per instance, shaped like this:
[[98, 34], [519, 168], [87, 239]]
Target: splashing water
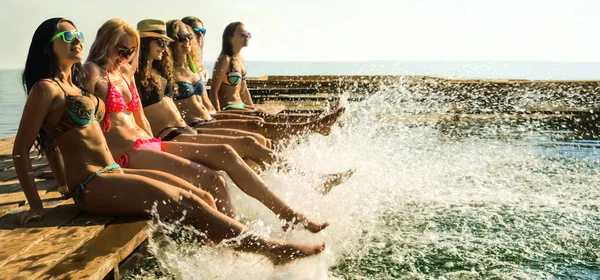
[[499, 199]]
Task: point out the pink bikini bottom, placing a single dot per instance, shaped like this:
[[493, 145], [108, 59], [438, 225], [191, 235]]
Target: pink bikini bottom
[[152, 144]]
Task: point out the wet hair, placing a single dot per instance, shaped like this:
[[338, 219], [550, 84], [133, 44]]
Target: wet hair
[[143, 77], [173, 28], [103, 49], [42, 63], [227, 47]]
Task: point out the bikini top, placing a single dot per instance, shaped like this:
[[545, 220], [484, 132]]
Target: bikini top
[[233, 78], [80, 111], [186, 90], [116, 103], [153, 96]]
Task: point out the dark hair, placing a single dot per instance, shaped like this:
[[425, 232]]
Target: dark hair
[[189, 20], [41, 64], [143, 75], [227, 48]]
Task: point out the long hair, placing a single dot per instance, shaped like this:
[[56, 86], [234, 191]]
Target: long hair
[[227, 47], [173, 28], [189, 20], [42, 63], [104, 47], [143, 77]]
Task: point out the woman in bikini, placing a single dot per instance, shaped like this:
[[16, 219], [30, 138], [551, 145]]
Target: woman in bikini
[[192, 97], [229, 91], [128, 134], [61, 118], [154, 80]]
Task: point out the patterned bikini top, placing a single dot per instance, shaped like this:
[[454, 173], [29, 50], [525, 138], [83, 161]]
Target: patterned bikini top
[[80, 111]]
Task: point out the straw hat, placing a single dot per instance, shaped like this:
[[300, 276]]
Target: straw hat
[[153, 28]]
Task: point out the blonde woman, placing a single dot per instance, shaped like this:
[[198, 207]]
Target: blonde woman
[[128, 133]]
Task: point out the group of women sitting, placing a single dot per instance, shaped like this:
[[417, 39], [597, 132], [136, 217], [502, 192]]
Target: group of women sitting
[[134, 126]]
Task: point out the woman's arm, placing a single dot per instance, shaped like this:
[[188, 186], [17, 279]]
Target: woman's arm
[[40, 100], [217, 77], [245, 94]]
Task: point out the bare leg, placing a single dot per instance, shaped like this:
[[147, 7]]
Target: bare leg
[[246, 147], [279, 131], [133, 195], [223, 157], [283, 118], [198, 175], [235, 133], [225, 116]]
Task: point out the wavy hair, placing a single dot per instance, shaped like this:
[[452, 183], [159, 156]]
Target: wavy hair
[[104, 47], [143, 75], [173, 28]]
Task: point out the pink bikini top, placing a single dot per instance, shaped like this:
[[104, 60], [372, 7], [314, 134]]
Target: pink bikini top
[[116, 103]]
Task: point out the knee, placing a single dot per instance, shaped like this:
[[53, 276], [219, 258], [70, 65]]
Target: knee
[[249, 141]]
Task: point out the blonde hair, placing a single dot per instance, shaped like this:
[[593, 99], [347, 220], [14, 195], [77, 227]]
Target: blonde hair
[[173, 28], [103, 49]]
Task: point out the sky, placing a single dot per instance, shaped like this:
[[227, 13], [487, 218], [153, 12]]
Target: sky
[[343, 30]]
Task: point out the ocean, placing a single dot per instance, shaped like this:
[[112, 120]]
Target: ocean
[[12, 95], [501, 198]]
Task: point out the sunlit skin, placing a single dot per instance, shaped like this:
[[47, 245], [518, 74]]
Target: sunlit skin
[[193, 109], [184, 160]]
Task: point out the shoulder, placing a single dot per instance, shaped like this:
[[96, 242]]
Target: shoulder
[[92, 70], [44, 90], [126, 69], [222, 61]]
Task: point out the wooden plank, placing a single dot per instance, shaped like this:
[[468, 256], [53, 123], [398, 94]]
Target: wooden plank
[[12, 186], [10, 173], [19, 200], [100, 255], [30, 264], [21, 239], [52, 211]]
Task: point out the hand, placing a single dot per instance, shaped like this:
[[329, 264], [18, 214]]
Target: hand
[[31, 214]]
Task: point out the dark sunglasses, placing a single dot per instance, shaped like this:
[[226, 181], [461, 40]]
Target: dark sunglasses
[[246, 34], [183, 38], [126, 52], [162, 43], [199, 30], [69, 36]]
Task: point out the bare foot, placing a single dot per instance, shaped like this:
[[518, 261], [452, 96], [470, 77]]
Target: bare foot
[[332, 180], [330, 119], [281, 254], [325, 131], [308, 224]]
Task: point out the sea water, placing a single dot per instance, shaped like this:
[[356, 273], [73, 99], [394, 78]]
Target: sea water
[[503, 198]]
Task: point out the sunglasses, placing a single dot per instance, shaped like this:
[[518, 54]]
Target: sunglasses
[[126, 52], [162, 43], [246, 34], [199, 30], [183, 38], [68, 36]]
